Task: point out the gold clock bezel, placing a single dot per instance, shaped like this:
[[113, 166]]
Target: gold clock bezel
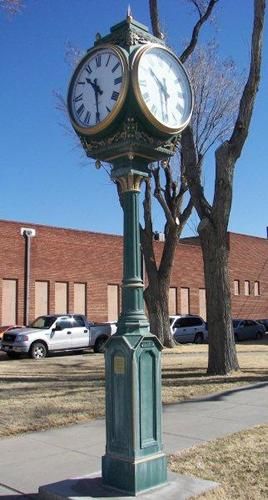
[[141, 102], [104, 124]]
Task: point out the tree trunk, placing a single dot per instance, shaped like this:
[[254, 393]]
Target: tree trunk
[[222, 357], [156, 299]]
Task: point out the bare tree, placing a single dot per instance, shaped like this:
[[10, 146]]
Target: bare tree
[[11, 6], [214, 217], [217, 88], [171, 193]]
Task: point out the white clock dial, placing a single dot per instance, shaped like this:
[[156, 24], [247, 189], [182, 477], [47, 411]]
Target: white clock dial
[[97, 89], [163, 89]]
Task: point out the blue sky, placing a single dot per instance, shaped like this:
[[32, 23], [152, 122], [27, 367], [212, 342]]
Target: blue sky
[[44, 178]]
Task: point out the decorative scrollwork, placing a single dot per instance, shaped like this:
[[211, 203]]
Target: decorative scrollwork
[[129, 35]]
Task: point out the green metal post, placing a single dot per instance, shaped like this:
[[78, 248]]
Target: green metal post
[[134, 459]]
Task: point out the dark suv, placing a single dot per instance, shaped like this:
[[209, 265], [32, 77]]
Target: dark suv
[[189, 328]]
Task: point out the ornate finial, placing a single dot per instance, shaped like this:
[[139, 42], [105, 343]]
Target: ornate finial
[[129, 15], [98, 37]]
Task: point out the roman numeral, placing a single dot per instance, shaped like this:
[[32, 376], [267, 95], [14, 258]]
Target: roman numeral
[[115, 95], [115, 67], [80, 110], [88, 69], [118, 80], [78, 98], [108, 60], [87, 117], [154, 109], [146, 97], [108, 109], [98, 61], [179, 108], [81, 83]]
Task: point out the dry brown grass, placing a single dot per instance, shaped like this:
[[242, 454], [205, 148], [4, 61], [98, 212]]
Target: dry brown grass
[[66, 389], [238, 462]]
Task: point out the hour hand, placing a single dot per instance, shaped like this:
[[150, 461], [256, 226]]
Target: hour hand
[[95, 86], [162, 85]]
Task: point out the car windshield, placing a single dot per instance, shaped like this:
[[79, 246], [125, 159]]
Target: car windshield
[[43, 322]]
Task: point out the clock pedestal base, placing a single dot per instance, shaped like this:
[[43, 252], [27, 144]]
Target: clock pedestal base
[[134, 459]]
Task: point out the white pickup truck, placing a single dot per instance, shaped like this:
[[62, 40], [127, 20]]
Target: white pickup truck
[[56, 333]]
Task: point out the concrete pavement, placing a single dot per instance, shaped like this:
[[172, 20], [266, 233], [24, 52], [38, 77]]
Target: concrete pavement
[[41, 458]]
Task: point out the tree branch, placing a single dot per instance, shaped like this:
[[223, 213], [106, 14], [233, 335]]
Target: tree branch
[[160, 198], [227, 154], [192, 165], [156, 29], [188, 51], [241, 128]]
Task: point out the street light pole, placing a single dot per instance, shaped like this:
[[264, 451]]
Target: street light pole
[[27, 233]]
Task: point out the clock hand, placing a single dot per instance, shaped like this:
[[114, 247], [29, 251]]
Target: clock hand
[[162, 86], [95, 86], [97, 92], [165, 89], [166, 95], [156, 79]]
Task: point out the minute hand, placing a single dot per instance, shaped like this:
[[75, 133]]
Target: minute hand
[[160, 84]]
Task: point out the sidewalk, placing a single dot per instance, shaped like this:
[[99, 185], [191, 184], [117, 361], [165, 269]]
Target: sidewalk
[[31, 460]]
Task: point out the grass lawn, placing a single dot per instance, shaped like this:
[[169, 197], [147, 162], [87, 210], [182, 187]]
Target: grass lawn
[[238, 462], [65, 389]]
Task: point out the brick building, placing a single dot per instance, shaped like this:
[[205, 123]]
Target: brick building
[[66, 270]]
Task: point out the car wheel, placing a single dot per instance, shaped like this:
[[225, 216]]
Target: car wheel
[[38, 350], [99, 344], [259, 335], [199, 338]]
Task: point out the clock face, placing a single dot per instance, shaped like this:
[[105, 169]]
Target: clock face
[[97, 90], [162, 89]]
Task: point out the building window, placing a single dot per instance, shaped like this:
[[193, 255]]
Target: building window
[[236, 287], [61, 290], [202, 303], [185, 301], [257, 288], [247, 287], [80, 298], [172, 301], [113, 302], [9, 302], [41, 298]]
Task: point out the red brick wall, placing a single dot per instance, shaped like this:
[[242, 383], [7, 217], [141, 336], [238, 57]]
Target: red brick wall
[[74, 256], [249, 262], [62, 255]]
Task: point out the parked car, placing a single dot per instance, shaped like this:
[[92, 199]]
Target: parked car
[[4, 329], [246, 329], [188, 328], [56, 333], [264, 322]]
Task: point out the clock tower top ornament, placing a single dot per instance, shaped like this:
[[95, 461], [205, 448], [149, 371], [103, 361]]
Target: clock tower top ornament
[[129, 96]]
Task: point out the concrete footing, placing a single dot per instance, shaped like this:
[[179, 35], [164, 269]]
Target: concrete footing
[[179, 487]]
